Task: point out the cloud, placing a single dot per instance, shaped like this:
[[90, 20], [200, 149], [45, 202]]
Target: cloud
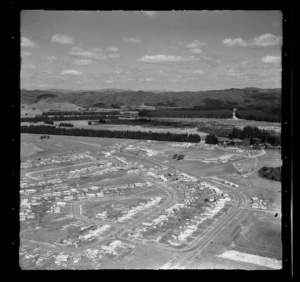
[[271, 59], [233, 72], [71, 72], [29, 66], [51, 59], [265, 40], [196, 44], [165, 59], [62, 39], [95, 53], [83, 62], [114, 56], [235, 42], [132, 40], [112, 49], [25, 54], [25, 42], [196, 51], [149, 13], [198, 72]]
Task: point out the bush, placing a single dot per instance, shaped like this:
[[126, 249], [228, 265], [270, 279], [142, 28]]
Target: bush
[[211, 139], [271, 173]]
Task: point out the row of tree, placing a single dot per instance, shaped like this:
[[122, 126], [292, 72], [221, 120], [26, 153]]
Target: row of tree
[[76, 113], [187, 113], [265, 136], [63, 118], [149, 135], [66, 124], [257, 115]]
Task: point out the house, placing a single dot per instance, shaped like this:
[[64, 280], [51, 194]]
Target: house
[[62, 257]]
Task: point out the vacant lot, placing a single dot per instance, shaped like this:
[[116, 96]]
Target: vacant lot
[[28, 149], [64, 144], [259, 234]]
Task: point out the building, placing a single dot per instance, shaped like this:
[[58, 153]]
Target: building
[[62, 257]]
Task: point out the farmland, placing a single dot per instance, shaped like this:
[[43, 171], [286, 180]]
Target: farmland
[[101, 203]]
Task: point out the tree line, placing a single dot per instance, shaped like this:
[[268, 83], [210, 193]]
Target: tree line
[[63, 118], [187, 113], [76, 113], [66, 124], [254, 132], [144, 135], [257, 115]]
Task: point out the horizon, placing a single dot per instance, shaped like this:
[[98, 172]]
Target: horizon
[[174, 50], [151, 90]]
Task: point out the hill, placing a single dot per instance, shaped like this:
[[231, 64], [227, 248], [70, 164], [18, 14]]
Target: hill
[[247, 98]]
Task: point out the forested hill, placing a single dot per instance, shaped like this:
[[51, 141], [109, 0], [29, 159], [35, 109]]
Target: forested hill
[[247, 98]]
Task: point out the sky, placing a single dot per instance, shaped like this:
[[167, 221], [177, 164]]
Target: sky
[[150, 50]]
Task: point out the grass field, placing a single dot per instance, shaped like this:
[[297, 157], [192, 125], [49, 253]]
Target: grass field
[[28, 149], [228, 122], [62, 144]]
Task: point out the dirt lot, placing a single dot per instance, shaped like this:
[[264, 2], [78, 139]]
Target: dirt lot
[[258, 233]]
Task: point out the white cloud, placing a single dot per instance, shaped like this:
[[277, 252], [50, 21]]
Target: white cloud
[[51, 59], [71, 72], [113, 49], [198, 72], [235, 42], [114, 56], [25, 42], [160, 58], [233, 72], [83, 62], [196, 44], [271, 59], [132, 40], [196, 51], [29, 66], [25, 53], [95, 53], [265, 40], [62, 39], [165, 59], [149, 13]]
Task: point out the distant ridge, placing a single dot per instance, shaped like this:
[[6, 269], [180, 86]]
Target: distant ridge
[[252, 97]]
